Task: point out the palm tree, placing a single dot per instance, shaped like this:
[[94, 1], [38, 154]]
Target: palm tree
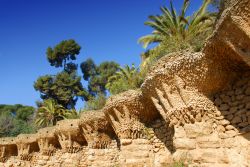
[[166, 25], [129, 77], [130, 74], [169, 24], [50, 112], [71, 114]]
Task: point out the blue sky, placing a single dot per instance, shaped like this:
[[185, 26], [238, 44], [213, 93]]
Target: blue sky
[[106, 30]]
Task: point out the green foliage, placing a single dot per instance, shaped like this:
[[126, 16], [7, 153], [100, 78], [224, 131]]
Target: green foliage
[[64, 88], [16, 119], [50, 112], [97, 75], [171, 45], [124, 79], [175, 32], [25, 113], [88, 68], [6, 123], [72, 114], [183, 161], [95, 103], [61, 53], [118, 86], [169, 24], [20, 126], [178, 164]]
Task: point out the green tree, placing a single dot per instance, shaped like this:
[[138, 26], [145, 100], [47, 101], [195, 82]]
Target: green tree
[[16, 119], [50, 112], [25, 113], [65, 87], [20, 126], [6, 124], [95, 103], [169, 24], [72, 114], [88, 68], [173, 32], [97, 75], [64, 51], [124, 79]]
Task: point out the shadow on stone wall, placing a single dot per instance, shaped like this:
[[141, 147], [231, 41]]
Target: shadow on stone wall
[[234, 106]]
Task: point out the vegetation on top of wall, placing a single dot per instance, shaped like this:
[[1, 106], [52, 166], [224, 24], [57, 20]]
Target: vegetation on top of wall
[[174, 32], [124, 79], [95, 103]]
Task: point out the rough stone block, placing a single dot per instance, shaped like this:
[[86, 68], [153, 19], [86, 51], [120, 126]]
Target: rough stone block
[[198, 129], [247, 92], [248, 105], [228, 143], [210, 141], [230, 117], [230, 127], [222, 157], [209, 156], [224, 107], [187, 144], [224, 122], [221, 128], [236, 120], [126, 141], [179, 132], [232, 133]]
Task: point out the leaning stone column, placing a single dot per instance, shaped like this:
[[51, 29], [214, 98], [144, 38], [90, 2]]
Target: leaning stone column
[[26, 145], [7, 148], [70, 136], [47, 141], [96, 129], [123, 112]]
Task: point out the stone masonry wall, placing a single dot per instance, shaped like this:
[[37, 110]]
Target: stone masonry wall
[[220, 140]]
